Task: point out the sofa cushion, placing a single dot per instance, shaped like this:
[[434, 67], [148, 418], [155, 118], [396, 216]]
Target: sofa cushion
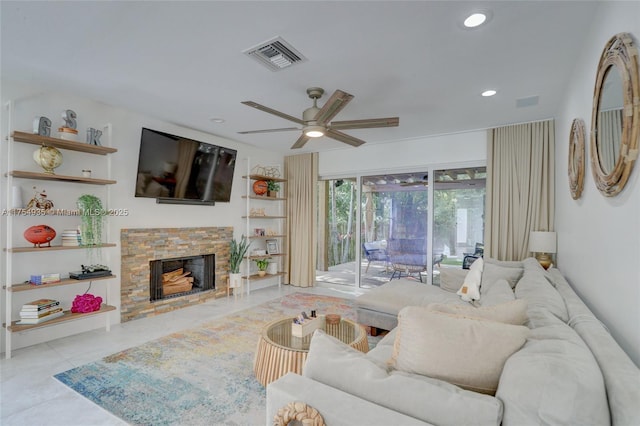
[[336, 364], [553, 379], [492, 273], [538, 292], [395, 295], [505, 263], [513, 312], [451, 279], [498, 292], [470, 289], [466, 352]]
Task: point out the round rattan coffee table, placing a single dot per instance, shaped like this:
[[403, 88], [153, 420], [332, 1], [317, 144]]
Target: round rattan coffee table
[[280, 352]]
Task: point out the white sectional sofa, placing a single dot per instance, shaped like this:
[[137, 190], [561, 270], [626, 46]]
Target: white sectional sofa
[[569, 370]]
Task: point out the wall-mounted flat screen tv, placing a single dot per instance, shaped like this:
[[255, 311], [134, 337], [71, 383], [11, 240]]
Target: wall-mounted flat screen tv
[[179, 170]]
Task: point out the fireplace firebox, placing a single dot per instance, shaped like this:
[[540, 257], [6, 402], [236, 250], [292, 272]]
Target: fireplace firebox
[[180, 276]]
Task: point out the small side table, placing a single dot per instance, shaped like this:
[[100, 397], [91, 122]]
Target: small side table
[[280, 352]]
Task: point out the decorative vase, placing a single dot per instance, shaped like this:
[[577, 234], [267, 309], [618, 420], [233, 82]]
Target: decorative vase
[[48, 158], [272, 269], [235, 280], [67, 133]]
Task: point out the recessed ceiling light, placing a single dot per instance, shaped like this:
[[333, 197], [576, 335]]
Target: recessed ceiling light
[[488, 93], [475, 20], [217, 120]]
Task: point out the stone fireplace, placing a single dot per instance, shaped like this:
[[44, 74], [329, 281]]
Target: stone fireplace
[[142, 247]]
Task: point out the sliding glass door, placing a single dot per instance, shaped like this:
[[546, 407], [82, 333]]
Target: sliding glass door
[[379, 227], [394, 222], [337, 222], [458, 217]]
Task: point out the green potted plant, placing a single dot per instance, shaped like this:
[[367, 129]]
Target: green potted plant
[[272, 188], [92, 216], [262, 266], [237, 251]]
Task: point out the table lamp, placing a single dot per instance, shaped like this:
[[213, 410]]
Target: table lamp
[[543, 243]]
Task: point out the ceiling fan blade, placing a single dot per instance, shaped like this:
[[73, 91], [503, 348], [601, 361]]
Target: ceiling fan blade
[[284, 129], [365, 124], [333, 106], [343, 137], [301, 141], [274, 112]]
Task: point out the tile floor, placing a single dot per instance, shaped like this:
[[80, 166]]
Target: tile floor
[[30, 396]]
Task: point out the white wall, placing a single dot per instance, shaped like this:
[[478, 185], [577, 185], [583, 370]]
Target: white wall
[[142, 212], [408, 155], [599, 237]]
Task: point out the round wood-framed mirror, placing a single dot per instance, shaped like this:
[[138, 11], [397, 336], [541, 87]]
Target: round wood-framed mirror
[[576, 158], [615, 118]]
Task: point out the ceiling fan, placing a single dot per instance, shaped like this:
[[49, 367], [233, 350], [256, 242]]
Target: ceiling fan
[[315, 121]]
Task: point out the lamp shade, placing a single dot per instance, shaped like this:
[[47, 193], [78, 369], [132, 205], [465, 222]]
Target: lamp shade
[[542, 242]]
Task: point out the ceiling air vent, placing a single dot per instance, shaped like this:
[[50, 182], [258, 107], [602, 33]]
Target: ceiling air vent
[[275, 54]]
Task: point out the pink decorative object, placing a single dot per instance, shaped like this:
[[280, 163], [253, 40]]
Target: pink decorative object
[[84, 303]]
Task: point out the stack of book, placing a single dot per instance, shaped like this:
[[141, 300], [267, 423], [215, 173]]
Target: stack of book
[[39, 311], [71, 237]]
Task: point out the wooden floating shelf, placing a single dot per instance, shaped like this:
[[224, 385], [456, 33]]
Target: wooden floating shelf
[[67, 316], [265, 256], [256, 277], [264, 237], [54, 248], [262, 177], [68, 281], [45, 176], [62, 143], [259, 197]]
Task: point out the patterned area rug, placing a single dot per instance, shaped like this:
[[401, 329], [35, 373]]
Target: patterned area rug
[[202, 376]]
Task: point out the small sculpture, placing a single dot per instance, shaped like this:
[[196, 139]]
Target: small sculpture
[[39, 201], [48, 158], [42, 126]]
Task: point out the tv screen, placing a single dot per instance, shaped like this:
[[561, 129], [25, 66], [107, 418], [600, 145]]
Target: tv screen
[[176, 169]]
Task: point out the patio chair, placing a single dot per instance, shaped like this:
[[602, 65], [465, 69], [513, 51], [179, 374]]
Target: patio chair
[[407, 256], [374, 253], [469, 258]]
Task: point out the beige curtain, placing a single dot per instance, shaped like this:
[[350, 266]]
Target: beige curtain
[[301, 172], [520, 187]]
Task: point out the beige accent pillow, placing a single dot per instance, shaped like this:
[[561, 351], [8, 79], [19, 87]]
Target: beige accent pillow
[[451, 279], [513, 312], [466, 352], [470, 289], [492, 273]]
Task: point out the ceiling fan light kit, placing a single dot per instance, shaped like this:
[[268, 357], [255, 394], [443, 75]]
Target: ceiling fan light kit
[[314, 131], [315, 121]]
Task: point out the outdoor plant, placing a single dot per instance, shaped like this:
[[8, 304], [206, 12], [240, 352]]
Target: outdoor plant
[[236, 253], [92, 216]]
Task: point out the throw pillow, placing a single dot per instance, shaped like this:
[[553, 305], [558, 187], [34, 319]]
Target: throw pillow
[[492, 273], [451, 279], [499, 292], [513, 312], [433, 401], [470, 289], [466, 352]]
